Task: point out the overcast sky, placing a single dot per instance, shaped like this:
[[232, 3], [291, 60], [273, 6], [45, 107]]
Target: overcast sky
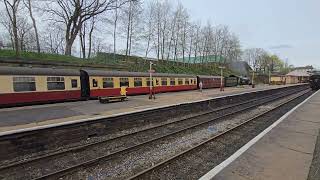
[[288, 28]]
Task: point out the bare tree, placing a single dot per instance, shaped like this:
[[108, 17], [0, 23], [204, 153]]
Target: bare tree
[[23, 33], [254, 57], [131, 22], [115, 31], [73, 13], [92, 27], [82, 38], [53, 40], [5, 21], [148, 27], [12, 11], [29, 7]]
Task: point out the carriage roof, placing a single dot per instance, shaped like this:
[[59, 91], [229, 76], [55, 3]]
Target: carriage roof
[[6, 70]]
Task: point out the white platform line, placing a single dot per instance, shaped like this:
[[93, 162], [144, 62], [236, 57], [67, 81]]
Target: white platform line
[[211, 174]]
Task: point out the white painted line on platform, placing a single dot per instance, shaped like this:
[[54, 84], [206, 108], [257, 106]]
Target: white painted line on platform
[[211, 174], [131, 112]]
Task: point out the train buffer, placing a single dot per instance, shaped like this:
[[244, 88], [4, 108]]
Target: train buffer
[[122, 97]]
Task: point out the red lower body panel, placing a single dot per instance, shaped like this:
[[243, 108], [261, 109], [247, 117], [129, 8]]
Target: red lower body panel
[[161, 89], [139, 90], [15, 99], [38, 97], [94, 93]]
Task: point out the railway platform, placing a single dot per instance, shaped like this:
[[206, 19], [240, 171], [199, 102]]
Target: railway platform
[[287, 150], [18, 118]]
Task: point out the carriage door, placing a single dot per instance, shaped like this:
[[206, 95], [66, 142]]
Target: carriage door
[[85, 86]]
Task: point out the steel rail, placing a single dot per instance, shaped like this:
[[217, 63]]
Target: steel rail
[[88, 145], [70, 169], [167, 161]]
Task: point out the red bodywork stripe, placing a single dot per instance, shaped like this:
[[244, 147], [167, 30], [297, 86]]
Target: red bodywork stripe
[[16, 98], [140, 90], [20, 98]]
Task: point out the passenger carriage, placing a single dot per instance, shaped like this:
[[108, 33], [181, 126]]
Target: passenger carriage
[[109, 83], [25, 85]]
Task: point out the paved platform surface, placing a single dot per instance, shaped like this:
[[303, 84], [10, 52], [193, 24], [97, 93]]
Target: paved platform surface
[[285, 153], [40, 115]]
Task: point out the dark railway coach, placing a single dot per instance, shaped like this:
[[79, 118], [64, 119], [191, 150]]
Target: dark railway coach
[[315, 80], [209, 81], [231, 81]]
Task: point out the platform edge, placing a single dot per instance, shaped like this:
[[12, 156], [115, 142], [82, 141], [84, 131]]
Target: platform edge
[[216, 170]]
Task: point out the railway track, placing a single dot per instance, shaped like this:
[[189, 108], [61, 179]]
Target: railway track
[[216, 145], [35, 169]]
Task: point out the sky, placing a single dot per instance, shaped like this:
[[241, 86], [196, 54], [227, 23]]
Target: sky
[[287, 28]]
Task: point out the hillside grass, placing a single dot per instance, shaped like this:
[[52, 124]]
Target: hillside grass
[[132, 63]]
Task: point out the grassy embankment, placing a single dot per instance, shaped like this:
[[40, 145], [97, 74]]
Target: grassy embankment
[[131, 63]]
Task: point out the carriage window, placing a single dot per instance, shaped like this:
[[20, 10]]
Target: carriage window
[[94, 83], [180, 81], [137, 82], [164, 82], [24, 84], [55, 83], [124, 82], [187, 81], [74, 83], [157, 82], [172, 82], [107, 82], [148, 81]]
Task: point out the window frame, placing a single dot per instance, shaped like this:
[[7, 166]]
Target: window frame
[[172, 80], [19, 80], [94, 83], [137, 80], [187, 81], [126, 81], [56, 80], [72, 85], [164, 80], [107, 80]]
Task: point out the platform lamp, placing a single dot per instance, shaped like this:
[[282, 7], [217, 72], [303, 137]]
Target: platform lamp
[[151, 80], [269, 74], [221, 78], [252, 81]]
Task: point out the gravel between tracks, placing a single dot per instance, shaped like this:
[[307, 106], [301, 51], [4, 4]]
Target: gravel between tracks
[[196, 163], [125, 165], [45, 166]]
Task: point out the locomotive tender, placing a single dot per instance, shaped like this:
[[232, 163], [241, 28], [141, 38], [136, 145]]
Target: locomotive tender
[[28, 85]]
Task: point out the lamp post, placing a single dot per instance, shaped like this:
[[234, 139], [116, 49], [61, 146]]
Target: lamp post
[[253, 86], [151, 81], [221, 78], [269, 74]]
